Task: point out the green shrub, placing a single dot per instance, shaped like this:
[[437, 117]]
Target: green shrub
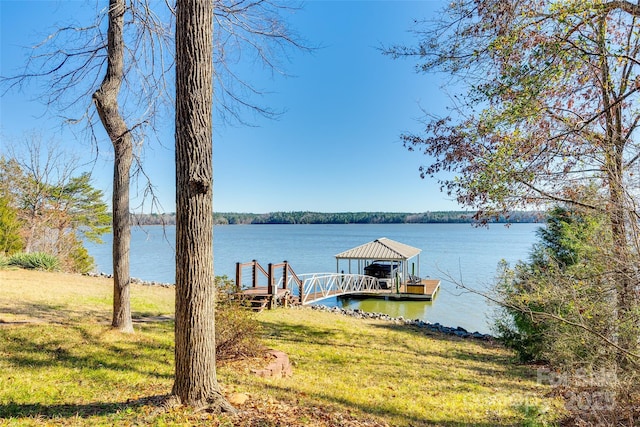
[[513, 325], [4, 261], [237, 330], [35, 261], [556, 307]]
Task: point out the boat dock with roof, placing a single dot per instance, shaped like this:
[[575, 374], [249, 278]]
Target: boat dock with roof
[[382, 268], [389, 262]]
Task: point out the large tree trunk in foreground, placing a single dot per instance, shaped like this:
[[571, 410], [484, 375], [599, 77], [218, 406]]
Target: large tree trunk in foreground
[[106, 100], [195, 358]]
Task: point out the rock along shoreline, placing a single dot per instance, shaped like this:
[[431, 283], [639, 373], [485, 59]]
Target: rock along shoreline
[[433, 327], [357, 313], [132, 279]]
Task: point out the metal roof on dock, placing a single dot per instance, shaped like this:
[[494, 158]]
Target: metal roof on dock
[[382, 249]]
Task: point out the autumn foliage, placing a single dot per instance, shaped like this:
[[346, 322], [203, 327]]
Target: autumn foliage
[[544, 112]]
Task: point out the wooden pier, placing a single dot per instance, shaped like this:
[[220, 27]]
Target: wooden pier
[[261, 297], [427, 288]]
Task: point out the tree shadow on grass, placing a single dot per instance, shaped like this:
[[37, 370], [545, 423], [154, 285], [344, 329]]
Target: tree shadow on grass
[[298, 333], [472, 356], [377, 411], [73, 347], [30, 312], [504, 359], [36, 410], [327, 337], [79, 354]]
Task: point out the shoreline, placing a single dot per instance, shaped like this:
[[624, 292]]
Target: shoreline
[[457, 331], [133, 280]]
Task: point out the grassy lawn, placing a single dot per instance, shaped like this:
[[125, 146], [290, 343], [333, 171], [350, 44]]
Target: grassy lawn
[[61, 365]]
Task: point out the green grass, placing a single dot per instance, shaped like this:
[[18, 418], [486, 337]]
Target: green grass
[[400, 374], [80, 374], [60, 364]]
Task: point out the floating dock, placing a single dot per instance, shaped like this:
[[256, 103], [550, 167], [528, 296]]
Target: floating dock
[[262, 297], [425, 290]]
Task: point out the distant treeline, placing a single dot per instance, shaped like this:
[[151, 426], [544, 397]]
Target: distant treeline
[[444, 217]]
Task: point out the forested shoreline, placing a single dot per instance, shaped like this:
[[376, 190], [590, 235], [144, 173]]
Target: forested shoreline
[[306, 217]]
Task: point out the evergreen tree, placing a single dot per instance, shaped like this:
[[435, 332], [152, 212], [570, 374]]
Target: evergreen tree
[[49, 208], [558, 305], [10, 239]]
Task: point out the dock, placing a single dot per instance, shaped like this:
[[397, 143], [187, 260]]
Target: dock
[[277, 292], [261, 298], [383, 271], [425, 290], [292, 289]]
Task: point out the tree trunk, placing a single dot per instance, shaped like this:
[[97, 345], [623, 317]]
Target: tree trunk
[[626, 297], [195, 359], [106, 100], [121, 238]]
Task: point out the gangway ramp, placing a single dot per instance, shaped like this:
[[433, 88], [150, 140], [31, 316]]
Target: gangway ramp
[[318, 286]]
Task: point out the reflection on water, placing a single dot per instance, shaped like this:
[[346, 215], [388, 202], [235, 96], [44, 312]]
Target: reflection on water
[[407, 309]]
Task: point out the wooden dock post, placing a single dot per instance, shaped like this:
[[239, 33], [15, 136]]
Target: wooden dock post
[[285, 279], [238, 277], [270, 292], [255, 273], [284, 274]]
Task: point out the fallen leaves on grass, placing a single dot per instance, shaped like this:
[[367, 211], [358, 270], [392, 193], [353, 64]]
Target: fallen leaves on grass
[[257, 411], [260, 411]]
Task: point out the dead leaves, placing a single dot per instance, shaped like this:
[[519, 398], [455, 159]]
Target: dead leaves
[[268, 411]]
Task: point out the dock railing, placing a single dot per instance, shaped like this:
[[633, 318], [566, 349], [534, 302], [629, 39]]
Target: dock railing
[[275, 280], [256, 268], [288, 276], [307, 287], [317, 286]]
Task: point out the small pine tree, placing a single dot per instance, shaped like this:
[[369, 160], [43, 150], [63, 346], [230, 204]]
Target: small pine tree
[[81, 261], [10, 240]]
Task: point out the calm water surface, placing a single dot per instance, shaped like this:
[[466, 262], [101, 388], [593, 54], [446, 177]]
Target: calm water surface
[[450, 252]]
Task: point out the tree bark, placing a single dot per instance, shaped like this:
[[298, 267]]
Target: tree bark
[[195, 360], [624, 277], [623, 268], [106, 100]]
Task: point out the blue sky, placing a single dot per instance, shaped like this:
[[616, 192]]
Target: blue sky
[[337, 146]]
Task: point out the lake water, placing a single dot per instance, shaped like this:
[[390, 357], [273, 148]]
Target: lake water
[[450, 252]]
